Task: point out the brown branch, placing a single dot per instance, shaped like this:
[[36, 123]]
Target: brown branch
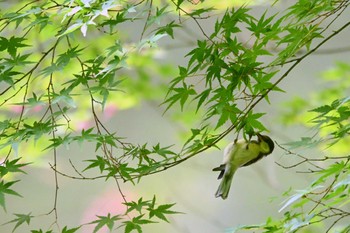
[[308, 160], [195, 20], [50, 90], [148, 17], [75, 177]]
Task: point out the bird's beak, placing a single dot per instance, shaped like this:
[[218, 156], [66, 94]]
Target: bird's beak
[[259, 137]]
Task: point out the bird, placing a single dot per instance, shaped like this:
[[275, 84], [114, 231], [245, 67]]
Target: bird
[[241, 153]]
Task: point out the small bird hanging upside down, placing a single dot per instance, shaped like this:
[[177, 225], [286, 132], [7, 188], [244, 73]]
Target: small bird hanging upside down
[[238, 154]]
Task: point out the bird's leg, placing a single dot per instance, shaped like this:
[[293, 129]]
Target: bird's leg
[[236, 139], [249, 139]]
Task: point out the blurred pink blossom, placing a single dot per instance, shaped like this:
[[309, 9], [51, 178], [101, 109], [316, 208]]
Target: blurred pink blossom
[[109, 111], [37, 108], [16, 108], [108, 202], [19, 108], [84, 125]]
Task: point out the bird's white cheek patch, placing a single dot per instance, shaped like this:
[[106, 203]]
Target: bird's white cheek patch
[[265, 148]]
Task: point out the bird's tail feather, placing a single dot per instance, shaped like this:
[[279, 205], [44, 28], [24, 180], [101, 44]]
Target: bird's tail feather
[[225, 185]]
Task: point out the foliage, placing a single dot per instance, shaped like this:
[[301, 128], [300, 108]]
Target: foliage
[[66, 64]]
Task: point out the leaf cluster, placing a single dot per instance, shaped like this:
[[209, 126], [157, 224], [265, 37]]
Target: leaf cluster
[[8, 169], [226, 77], [138, 210], [136, 162]]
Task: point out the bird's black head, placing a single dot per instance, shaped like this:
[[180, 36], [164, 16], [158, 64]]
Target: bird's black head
[[266, 143]]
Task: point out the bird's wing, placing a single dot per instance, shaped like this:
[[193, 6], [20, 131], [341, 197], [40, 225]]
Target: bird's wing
[[260, 156]]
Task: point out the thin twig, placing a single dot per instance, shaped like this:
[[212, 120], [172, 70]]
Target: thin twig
[[76, 177]]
